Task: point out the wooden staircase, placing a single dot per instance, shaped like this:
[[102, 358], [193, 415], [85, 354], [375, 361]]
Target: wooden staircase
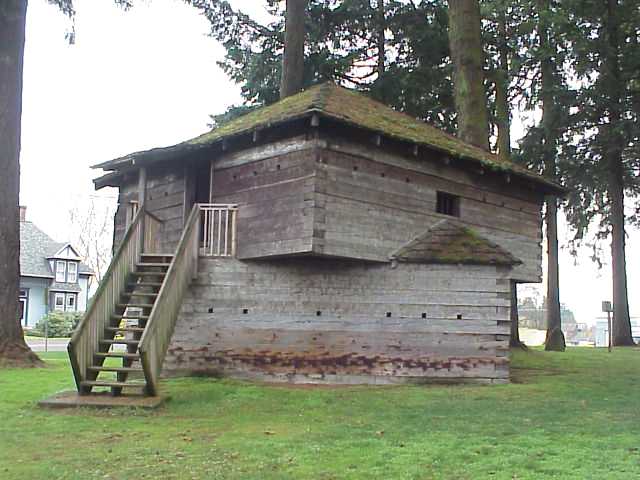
[[116, 365], [122, 339]]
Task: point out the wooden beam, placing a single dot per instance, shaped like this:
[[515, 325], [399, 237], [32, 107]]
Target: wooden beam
[[142, 186]]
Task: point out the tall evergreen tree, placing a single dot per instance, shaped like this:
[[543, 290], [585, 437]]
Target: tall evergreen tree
[[292, 76], [350, 42], [13, 14], [465, 44], [550, 119], [604, 133]]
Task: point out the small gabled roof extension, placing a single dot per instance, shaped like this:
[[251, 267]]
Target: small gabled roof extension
[[344, 106], [449, 242]]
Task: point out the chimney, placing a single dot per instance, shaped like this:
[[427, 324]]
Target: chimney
[[23, 213]]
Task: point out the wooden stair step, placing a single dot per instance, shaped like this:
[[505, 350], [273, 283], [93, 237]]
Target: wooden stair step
[[135, 305], [120, 342], [139, 294], [105, 383], [130, 316], [148, 274], [153, 265], [157, 255], [146, 284], [115, 369], [125, 329], [132, 356]]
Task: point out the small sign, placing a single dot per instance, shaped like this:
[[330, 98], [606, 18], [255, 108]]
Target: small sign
[[606, 306]]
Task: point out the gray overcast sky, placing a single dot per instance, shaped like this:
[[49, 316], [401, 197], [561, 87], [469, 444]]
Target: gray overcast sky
[[147, 78]]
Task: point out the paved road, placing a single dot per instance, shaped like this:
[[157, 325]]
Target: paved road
[[54, 345]]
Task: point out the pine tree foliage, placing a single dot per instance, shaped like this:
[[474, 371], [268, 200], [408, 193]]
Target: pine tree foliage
[[343, 40]]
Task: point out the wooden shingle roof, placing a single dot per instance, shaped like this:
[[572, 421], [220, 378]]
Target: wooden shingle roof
[[449, 242], [347, 107]]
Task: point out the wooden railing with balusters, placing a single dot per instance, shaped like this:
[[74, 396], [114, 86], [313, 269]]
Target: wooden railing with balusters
[[142, 235], [218, 229], [157, 334]]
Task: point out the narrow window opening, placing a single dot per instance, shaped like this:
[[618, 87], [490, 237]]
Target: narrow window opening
[[382, 175], [235, 176], [355, 168], [448, 204], [255, 174], [210, 310], [459, 316], [388, 314], [407, 180], [424, 315], [245, 311], [318, 313], [277, 167]]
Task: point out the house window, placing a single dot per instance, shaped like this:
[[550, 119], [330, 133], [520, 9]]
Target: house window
[[24, 305], [448, 204], [72, 272], [58, 302], [71, 302], [61, 271]]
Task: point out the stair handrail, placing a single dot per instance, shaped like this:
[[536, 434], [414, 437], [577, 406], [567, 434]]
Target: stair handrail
[[85, 340], [164, 314]]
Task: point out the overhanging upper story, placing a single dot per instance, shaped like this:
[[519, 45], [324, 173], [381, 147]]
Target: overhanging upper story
[[329, 172]]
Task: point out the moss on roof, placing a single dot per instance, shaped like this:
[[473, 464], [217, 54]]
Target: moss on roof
[[449, 242], [347, 106]]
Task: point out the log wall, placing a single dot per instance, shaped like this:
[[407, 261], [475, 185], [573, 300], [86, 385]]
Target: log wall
[[315, 194], [339, 321], [370, 202], [165, 199], [274, 187]]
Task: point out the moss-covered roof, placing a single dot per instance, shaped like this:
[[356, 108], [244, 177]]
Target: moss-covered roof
[[449, 242], [346, 106]]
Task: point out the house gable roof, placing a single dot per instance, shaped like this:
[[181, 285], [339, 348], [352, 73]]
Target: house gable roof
[[451, 243], [36, 247], [347, 107]]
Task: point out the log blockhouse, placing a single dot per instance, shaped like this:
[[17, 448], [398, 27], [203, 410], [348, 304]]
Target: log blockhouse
[[325, 238]]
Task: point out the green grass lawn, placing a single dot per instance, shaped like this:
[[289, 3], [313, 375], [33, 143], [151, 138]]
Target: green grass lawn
[[33, 338], [571, 415]]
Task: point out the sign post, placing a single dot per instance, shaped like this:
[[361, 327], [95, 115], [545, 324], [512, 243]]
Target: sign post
[[607, 307]]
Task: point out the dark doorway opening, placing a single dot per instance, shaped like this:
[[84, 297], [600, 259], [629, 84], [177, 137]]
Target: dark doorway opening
[[203, 183]]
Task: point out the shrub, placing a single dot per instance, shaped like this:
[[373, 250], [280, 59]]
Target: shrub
[[58, 324]]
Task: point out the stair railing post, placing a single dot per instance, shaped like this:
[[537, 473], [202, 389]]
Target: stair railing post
[[196, 243], [142, 195]]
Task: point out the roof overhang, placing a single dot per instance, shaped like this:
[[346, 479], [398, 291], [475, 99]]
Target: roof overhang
[[219, 141]]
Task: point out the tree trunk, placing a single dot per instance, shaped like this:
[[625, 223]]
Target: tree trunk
[[555, 340], [465, 44], [621, 321], [381, 41], [13, 349], [502, 91], [515, 320], [292, 78]]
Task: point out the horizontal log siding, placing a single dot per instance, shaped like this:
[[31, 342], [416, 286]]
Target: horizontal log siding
[[274, 196], [165, 199], [281, 337], [369, 203]]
